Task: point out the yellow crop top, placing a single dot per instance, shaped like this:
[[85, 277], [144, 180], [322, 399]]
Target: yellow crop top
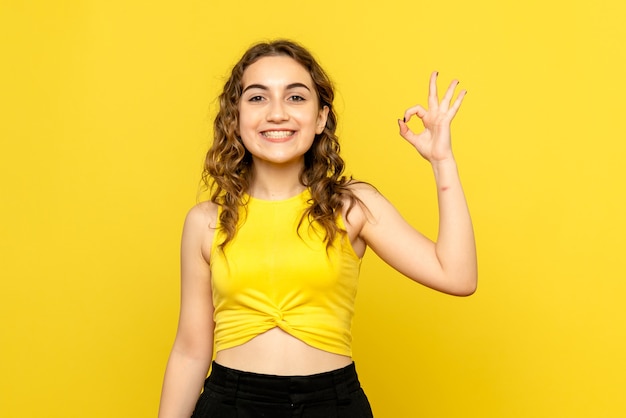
[[269, 276]]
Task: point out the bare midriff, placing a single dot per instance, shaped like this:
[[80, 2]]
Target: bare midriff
[[277, 353]]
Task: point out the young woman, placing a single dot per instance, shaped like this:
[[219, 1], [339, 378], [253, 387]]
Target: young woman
[[270, 264]]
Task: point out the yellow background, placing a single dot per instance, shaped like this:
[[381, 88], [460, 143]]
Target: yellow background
[[105, 118]]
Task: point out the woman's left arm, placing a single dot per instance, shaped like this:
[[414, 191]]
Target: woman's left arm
[[449, 264]]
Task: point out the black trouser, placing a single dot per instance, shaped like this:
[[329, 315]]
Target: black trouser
[[232, 393]]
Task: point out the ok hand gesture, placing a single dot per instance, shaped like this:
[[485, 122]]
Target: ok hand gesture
[[434, 142]]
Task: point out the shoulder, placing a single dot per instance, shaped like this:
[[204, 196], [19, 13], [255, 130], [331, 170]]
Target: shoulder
[[369, 199], [199, 228], [363, 190], [366, 199], [202, 214], [371, 207]]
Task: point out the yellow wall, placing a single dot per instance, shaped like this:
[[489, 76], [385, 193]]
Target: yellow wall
[[106, 110]]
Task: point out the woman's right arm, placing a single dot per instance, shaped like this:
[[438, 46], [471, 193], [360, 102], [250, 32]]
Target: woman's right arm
[[192, 352]]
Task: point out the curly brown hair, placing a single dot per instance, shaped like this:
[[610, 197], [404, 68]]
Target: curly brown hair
[[227, 169]]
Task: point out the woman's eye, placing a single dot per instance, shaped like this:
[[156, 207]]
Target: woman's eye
[[255, 98], [296, 98]]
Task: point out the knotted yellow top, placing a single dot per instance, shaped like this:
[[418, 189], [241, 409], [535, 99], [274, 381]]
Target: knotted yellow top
[[274, 274]]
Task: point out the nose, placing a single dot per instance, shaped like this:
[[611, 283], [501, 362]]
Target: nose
[[276, 111]]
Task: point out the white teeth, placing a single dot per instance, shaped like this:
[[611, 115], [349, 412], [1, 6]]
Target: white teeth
[[277, 134]]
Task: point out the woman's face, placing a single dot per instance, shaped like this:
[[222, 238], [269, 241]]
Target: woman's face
[[279, 113]]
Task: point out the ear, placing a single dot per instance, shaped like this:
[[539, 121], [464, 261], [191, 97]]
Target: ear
[[322, 116]]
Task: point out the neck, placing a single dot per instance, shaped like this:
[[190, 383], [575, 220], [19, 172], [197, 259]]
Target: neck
[[275, 182]]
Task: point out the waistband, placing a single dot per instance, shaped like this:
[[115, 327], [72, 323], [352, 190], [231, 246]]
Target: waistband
[[335, 384]]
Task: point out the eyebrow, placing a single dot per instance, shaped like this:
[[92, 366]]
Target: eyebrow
[[262, 87]]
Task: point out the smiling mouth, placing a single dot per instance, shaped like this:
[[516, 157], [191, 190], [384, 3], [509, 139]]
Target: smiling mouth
[[277, 134]]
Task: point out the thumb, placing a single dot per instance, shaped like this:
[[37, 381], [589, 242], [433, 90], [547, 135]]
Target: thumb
[[404, 129]]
